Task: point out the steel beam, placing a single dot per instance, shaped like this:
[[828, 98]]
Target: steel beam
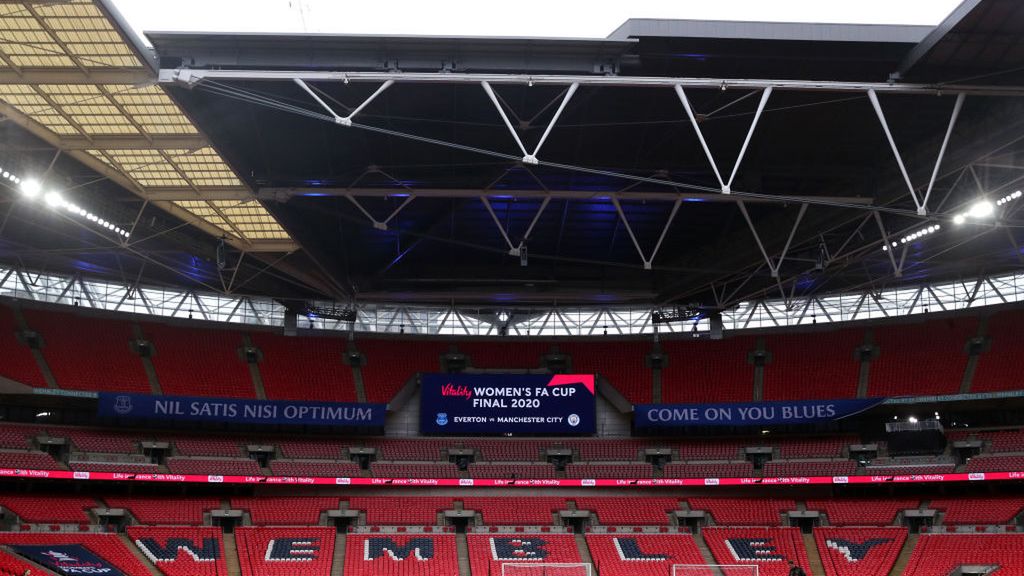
[[190, 76], [137, 77]]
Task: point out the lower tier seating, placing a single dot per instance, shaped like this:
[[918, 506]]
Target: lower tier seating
[[770, 548], [940, 554], [401, 555], [641, 554], [629, 511], [106, 546], [859, 551], [285, 551], [181, 551], [861, 512], [488, 552], [297, 510]]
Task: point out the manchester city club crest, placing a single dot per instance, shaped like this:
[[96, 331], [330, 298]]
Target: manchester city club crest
[[123, 404], [442, 418]]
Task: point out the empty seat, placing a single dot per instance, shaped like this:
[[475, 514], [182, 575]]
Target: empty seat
[[157, 510], [405, 511], [488, 552], [862, 511], [920, 360], [107, 546], [306, 368], [498, 511], [49, 508], [285, 551], [390, 364], [19, 364], [708, 371], [387, 554], [771, 549], [628, 510], [182, 551], [940, 554], [819, 365], [623, 364], [199, 362], [642, 554], [284, 510], [744, 511], [859, 551]]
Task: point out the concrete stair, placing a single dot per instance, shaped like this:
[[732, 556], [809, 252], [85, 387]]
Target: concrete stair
[[813, 557], [231, 555], [900, 566], [584, 550], [462, 549], [138, 554], [338, 564], [706, 554]]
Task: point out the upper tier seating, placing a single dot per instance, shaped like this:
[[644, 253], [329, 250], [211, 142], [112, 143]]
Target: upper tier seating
[[29, 460], [1001, 367], [405, 511], [404, 449], [107, 546], [305, 368], [498, 355], [413, 470], [712, 449], [632, 511], [812, 366], [642, 554], [801, 468], [534, 511], [215, 466], [828, 447], [206, 446], [921, 359], [487, 552], [770, 548], [297, 510], [862, 512], [390, 364], [104, 441], [199, 362], [621, 450], [985, 463], [940, 554], [978, 510], [181, 551], [401, 555], [710, 470], [621, 363], [17, 436], [512, 470], [609, 470], [111, 364], [19, 364], [37, 509], [164, 510], [708, 371], [509, 450], [744, 511], [314, 468], [859, 551], [298, 550]]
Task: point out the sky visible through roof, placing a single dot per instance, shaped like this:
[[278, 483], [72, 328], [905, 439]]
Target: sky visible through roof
[[539, 18]]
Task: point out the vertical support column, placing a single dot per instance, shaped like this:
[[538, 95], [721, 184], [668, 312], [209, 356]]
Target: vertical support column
[[864, 376], [37, 353], [254, 371], [974, 348], [760, 359]]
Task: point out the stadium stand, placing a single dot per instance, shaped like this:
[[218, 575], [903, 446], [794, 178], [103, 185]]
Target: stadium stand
[[408, 449], [206, 446], [401, 555], [992, 510], [641, 554], [781, 468], [511, 470], [613, 511], [407, 511], [941, 554], [107, 546], [19, 364], [314, 468], [621, 363], [181, 551], [199, 362], [30, 460], [713, 449], [535, 511], [313, 449], [11, 565], [1000, 367], [918, 360], [32, 509], [124, 467], [165, 510], [499, 355], [621, 450], [89, 353], [770, 548], [862, 511], [104, 441], [828, 447], [285, 551], [389, 364], [609, 470], [518, 450], [709, 470], [307, 368], [859, 551], [1005, 441], [819, 365], [216, 466], [989, 463], [17, 437], [284, 510], [744, 511], [694, 366], [487, 552], [413, 470]]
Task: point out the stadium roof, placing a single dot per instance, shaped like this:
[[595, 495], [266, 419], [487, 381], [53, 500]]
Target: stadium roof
[[524, 170]]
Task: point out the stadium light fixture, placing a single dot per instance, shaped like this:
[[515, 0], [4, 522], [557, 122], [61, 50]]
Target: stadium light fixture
[[31, 188], [984, 208], [914, 236], [912, 419]]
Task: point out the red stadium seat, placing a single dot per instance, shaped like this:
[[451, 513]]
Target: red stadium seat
[[629, 511], [49, 508], [978, 510], [621, 363], [19, 364], [401, 555], [642, 554], [920, 360], [181, 551], [744, 511], [199, 362], [499, 355], [107, 546], [285, 551], [215, 466], [488, 552], [390, 364], [1000, 368], [164, 510], [859, 551], [283, 510], [314, 468], [818, 365], [708, 371], [799, 468], [535, 511], [940, 554], [306, 368], [609, 470], [770, 549], [862, 511], [406, 511]]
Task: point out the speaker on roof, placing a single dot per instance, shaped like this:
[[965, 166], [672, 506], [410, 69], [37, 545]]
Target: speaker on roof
[[291, 323]]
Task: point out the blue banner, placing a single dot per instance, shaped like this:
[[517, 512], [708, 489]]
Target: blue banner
[[239, 411], [67, 559], [749, 414], [508, 404]]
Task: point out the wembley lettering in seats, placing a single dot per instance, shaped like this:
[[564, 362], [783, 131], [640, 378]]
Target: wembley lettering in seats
[[421, 549], [292, 549], [753, 550], [855, 551], [629, 549], [67, 559], [518, 548], [168, 551]]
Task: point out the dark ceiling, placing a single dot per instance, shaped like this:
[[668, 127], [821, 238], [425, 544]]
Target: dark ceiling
[[815, 146]]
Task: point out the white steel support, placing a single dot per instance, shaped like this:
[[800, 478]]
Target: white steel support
[[885, 239], [726, 185], [757, 239], [792, 233], [942, 150], [536, 217], [529, 158], [338, 119], [512, 249], [629, 230], [873, 97], [501, 111]]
